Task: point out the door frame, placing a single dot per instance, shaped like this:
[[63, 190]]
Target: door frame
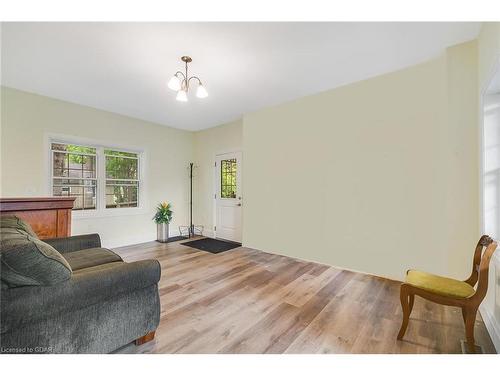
[[215, 188], [488, 318], [495, 69]]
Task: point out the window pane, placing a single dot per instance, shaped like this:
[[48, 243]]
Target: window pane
[[73, 165], [79, 165], [83, 190], [60, 164], [120, 153], [73, 148], [122, 174], [121, 194], [121, 168], [228, 178]]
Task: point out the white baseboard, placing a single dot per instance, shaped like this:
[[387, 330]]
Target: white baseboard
[[134, 240], [119, 242], [492, 325], [303, 259], [209, 233]]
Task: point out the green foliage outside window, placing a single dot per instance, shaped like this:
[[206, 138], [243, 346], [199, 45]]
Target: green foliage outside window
[[121, 168]]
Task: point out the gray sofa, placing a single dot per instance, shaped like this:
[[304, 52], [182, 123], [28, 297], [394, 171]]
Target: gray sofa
[[69, 295]]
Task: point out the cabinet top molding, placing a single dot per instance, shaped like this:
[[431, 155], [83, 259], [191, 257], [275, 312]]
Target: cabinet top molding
[[35, 203]]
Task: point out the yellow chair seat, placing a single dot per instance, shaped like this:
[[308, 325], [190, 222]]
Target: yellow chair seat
[[439, 285]]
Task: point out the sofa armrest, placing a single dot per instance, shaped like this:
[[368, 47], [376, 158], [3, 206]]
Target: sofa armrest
[[86, 287], [75, 243]]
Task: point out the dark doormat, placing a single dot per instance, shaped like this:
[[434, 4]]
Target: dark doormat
[[211, 245]]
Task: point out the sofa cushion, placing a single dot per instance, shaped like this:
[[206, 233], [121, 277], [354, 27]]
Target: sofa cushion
[[90, 257], [26, 260], [12, 221], [87, 287], [75, 243]]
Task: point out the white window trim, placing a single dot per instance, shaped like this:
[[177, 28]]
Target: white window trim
[[101, 210]]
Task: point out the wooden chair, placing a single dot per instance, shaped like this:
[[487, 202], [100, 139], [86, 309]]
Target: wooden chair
[[451, 292]]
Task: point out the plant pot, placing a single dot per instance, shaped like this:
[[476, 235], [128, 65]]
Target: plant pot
[[162, 232]]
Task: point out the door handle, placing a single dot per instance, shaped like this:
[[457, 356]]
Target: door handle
[[239, 204]]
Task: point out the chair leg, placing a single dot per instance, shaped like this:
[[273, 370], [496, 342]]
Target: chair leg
[[470, 320], [405, 305], [412, 301], [144, 339]]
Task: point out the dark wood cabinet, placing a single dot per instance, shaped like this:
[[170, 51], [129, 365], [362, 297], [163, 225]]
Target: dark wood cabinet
[[50, 217]]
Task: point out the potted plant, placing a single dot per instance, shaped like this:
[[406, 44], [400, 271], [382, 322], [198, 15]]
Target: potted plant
[[162, 218]]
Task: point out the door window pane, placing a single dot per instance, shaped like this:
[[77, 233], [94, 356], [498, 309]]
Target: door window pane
[[228, 178]]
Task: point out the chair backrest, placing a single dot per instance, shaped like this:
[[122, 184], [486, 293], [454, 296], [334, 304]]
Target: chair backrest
[[481, 265], [483, 241]]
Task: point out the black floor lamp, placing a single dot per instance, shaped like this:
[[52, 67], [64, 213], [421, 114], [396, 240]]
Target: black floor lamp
[[191, 226], [191, 229]]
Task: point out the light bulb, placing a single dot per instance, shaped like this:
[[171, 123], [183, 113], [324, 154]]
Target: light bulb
[[174, 83], [201, 92], [181, 96]]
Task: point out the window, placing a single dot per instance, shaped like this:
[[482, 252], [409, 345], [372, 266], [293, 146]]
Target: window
[[122, 183], [228, 178], [99, 177], [74, 174]]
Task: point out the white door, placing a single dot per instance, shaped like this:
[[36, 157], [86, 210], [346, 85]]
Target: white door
[[228, 199]]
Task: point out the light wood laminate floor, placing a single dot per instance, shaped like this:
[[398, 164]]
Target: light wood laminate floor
[[249, 301]]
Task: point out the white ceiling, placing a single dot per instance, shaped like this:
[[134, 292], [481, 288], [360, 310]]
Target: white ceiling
[[124, 67]]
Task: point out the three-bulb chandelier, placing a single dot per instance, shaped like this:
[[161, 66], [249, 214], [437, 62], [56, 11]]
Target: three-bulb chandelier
[[180, 83]]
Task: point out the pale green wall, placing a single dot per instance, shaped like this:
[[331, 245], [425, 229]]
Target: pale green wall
[[377, 176], [208, 143], [27, 119], [461, 169]]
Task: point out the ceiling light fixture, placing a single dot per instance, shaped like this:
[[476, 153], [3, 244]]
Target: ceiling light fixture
[[180, 83]]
